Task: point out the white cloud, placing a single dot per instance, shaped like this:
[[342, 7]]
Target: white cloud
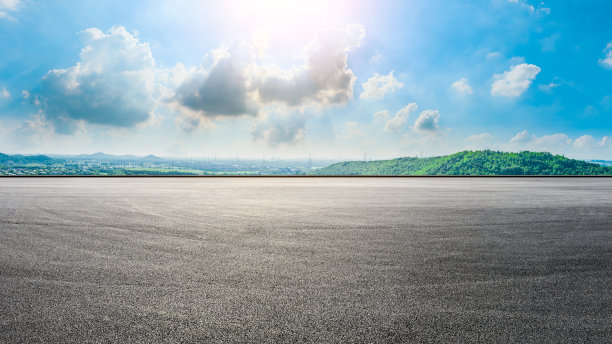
[[587, 141], [554, 140], [514, 82], [522, 137], [323, 80], [553, 143], [261, 41], [236, 85], [523, 4], [479, 137], [7, 6], [280, 130], [548, 88], [5, 15], [397, 122], [352, 131], [113, 84], [607, 60], [585, 146], [25, 94], [427, 121], [542, 9], [462, 86], [381, 115], [377, 86], [375, 59], [5, 93], [232, 83], [37, 131]]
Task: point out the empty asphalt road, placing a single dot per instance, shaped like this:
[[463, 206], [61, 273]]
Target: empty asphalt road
[[195, 260]]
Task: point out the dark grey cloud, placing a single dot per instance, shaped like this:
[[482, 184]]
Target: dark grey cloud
[[221, 92]]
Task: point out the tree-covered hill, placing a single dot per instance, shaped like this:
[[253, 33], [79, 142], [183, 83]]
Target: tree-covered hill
[[471, 163], [25, 159]]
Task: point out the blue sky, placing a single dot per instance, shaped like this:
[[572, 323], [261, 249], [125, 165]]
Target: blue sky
[[343, 79]]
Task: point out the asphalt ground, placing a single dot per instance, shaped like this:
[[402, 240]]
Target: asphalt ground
[[196, 260]]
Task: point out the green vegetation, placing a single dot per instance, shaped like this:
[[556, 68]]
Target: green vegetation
[[25, 159], [471, 163], [462, 163]]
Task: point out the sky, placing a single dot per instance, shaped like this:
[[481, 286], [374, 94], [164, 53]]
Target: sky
[[291, 79]]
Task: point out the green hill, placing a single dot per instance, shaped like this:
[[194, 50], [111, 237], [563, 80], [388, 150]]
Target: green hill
[[19, 159], [471, 163]]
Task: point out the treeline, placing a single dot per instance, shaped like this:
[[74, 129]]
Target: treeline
[[471, 163]]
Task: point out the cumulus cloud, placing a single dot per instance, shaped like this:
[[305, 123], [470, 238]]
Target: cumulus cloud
[[323, 80], [113, 84], [280, 130], [462, 86], [398, 122], [588, 141], [221, 91], [377, 86], [235, 84], [607, 60], [514, 82], [5, 93], [552, 143], [585, 146], [427, 121], [522, 137], [554, 140]]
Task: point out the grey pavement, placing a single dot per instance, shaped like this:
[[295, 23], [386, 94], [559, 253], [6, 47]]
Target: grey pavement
[[195, 260]]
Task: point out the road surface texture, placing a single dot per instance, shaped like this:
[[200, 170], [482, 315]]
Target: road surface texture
[[194, 260]]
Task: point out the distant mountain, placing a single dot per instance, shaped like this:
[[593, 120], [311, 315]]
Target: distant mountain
[[109, 157], [25, 159], [601, 162], [471, 163], [99, 156], [152, 157]]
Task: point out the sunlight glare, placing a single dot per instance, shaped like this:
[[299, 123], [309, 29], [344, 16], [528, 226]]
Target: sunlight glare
[[287, 17]]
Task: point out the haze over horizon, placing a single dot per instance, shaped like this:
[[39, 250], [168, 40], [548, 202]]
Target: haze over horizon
[[326, 79]]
